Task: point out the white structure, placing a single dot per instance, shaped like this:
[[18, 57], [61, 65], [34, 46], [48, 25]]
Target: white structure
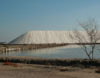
[[43, 37]]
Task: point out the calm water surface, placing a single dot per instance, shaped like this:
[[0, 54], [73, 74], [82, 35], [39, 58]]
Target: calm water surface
[[60, 52]]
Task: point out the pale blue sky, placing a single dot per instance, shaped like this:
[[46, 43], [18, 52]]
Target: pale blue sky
[[20, 16]]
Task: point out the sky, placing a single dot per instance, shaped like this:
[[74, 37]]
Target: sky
[[20, 16]]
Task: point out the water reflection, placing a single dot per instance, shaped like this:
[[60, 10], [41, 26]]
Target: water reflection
[[60, 52]]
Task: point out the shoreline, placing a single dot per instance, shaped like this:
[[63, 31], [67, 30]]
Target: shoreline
[[55, 62], [24, 70], [24, 67], [22, 47]]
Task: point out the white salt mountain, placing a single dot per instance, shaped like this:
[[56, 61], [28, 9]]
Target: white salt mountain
[[46, 37]]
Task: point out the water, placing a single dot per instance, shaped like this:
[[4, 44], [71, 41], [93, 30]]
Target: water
[[60, 52]]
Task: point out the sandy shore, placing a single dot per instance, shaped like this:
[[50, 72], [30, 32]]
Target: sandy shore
[[46, 71]]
